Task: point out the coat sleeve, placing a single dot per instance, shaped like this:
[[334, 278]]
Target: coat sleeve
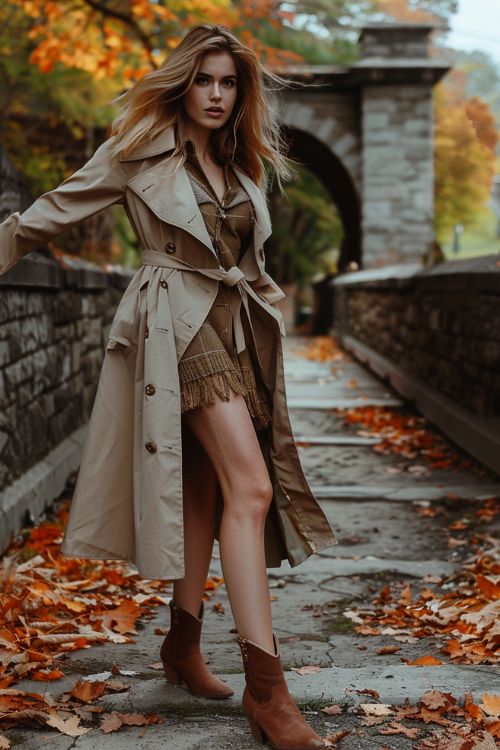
[[97, 185]]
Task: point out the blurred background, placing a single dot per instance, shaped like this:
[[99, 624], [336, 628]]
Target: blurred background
[[62, 62]]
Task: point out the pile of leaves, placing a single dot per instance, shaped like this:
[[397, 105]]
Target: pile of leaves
[[406, 435], [322, 349], [463, 727], [464, 609], [64, 713], [51, 605]]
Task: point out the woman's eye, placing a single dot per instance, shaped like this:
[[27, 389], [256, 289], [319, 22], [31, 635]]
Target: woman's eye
[[230, 82], [201, 79]]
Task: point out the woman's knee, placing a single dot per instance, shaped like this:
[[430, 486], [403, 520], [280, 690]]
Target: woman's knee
[[249, 499]]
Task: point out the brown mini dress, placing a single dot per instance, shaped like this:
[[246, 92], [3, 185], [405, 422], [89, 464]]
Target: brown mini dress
[[211, 367]]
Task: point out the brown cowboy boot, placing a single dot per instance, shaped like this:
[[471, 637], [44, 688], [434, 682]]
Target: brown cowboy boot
[[268, 705], [182, 659]]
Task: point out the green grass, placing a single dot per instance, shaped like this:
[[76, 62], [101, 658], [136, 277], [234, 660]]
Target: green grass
[[478, 240]]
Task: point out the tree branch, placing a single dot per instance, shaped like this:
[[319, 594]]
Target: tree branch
[[101, 7]]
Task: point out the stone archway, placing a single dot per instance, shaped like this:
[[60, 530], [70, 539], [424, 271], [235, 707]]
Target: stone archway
[[317, 157], [366, 130]]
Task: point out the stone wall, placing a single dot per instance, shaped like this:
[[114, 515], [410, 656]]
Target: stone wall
[[53, 330], [51, 347], [434, 332]]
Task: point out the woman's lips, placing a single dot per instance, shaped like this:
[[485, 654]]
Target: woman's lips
[[214, 113]]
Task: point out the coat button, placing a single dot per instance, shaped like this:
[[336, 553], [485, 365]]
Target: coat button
[[150, 389], [146, 333], [163, 283], [261, 253], [170, 247], [151, 447]]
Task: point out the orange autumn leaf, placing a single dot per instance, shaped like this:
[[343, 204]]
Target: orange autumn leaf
[[395, 727], [425, 661], [472, 711], [88, 690], [487, 587], [322, 349], [122, 619], [54, 674], [388, 649], [491, 704], [435, 700], [406, 597]]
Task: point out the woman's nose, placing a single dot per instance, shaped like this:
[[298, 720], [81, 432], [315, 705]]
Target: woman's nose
[[215, 94]]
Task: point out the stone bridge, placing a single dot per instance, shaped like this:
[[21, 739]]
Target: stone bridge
[[366, 131]]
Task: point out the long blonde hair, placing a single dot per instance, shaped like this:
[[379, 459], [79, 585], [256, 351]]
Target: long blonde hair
[[252, 133]]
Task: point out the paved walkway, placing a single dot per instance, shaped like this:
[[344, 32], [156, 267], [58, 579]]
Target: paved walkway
[[373, 501]]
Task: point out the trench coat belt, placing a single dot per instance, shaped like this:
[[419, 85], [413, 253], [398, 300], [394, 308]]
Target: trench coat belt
[[233, 276]]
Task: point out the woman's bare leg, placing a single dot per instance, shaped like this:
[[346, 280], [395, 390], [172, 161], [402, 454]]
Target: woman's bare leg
[[199, 482], [227, 434]]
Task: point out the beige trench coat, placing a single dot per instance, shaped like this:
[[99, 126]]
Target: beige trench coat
[[128, 499]]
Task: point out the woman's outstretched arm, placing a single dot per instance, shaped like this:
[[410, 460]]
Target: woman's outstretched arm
[[98, 184]]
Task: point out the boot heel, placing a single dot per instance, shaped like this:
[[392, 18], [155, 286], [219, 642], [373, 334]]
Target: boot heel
[[172, 675], [256, 731]]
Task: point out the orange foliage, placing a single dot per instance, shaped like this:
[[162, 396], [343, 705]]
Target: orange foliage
[[122, 42], [405, 435], [322, 349]]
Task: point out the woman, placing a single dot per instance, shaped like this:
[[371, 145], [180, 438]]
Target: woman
[[189, 438]]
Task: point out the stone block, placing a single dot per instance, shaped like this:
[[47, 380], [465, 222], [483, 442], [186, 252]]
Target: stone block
[[19, 371], [76, 356], [375, 120]]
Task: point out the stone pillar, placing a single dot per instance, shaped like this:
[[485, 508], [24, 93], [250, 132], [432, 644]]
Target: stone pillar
[[397, 145], [398, 174]]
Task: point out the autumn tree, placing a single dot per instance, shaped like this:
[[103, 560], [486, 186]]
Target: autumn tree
[[465, 141]]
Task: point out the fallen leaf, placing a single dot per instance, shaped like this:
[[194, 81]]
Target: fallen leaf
[[70, 726], [425, 661], [491, 704], [388, 649], [122, 619], [435, 699], [332, 710], [47, 674], [140, 720], [87, 691], [395, 728], [376, 709]]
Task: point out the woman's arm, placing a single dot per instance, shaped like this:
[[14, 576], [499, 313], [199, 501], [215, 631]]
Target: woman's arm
[[98, 184]]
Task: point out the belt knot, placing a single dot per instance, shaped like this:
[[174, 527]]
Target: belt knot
[[232, 276]]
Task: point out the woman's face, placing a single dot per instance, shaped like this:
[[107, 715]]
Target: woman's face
[[209, 101]]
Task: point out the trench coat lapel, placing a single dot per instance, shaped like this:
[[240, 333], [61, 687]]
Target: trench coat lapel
[[166, 190]]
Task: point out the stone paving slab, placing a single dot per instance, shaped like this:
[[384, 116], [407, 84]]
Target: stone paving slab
[[400, 494], [314, 402], [335, 440]]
